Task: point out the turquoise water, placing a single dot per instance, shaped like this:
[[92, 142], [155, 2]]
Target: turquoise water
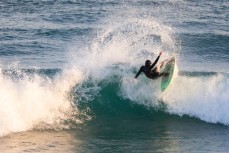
[[68, 67]]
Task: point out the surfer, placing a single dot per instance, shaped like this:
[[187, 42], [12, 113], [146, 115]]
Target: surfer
[[149, 70]]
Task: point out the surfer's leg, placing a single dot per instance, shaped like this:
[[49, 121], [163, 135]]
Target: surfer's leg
[[165, 74], [157, 74]]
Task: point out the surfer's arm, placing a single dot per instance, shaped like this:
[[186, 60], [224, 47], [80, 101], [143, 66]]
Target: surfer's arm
[[155, 62], [139, 72]]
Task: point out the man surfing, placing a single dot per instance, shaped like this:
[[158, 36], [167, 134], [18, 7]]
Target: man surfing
[[149, 70]]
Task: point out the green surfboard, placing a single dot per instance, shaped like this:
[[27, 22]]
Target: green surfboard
[[168, 70]]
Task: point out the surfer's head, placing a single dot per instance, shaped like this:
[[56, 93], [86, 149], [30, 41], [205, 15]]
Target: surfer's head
[[147, 63]]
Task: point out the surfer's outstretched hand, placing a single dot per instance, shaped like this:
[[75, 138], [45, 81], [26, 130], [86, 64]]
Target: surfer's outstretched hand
[[160, 53]]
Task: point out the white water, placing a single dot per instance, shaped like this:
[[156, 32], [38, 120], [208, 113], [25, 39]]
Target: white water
[[206, 98], [35, 102]]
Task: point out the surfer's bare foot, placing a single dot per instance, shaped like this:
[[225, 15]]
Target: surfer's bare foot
[[162, 65]]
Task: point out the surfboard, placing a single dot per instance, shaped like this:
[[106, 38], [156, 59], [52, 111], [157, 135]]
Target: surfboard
[[169, 69]]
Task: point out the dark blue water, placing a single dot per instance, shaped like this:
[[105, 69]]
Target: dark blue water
[[67, 71]]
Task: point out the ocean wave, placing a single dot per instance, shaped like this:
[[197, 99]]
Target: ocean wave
[[56, 99]]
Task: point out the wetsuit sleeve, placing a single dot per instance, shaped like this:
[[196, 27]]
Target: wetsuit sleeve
[[155, 62], [139, 72]]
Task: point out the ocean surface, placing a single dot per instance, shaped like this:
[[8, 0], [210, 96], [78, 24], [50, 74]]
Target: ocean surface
[[67, 72]]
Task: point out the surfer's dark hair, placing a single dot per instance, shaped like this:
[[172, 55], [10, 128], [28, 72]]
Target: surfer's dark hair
[[147, 63]]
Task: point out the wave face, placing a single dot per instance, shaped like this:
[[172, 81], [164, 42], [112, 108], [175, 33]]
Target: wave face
[[200, 95]]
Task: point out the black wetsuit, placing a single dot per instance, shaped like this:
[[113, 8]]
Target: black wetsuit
[[151, 74]]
